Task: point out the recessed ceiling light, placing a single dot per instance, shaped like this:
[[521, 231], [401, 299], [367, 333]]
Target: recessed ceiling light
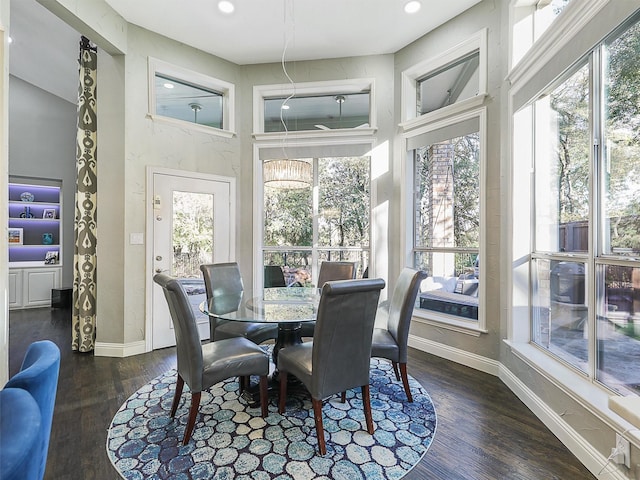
[[412, 7], [226, 7], [168, 85]]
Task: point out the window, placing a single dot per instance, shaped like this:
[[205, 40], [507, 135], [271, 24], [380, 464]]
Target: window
[[453, 82], [332, 108], [586, 236], [300, 229], [321, 112], [189, 103], [177, 95], [444, 127], [447, 217]]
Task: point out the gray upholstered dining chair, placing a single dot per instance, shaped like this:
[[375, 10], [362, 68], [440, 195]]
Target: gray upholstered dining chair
[[391, 342], [274, 276], [329, 271], [338, 358], [223, 283], [202, 366]]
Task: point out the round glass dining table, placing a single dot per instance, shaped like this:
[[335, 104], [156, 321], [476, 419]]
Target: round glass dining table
[[289, 307]]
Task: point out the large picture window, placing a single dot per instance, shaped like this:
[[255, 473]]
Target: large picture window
[[301, 230], [447, 172], [586, 273]]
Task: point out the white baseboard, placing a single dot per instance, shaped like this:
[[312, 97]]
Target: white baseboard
[[462, 357], [577, 445], [119, 350]]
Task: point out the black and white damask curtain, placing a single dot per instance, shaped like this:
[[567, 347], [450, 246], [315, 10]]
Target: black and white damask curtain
[[85, 223]]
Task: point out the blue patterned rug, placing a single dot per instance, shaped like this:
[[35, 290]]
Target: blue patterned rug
[[232, 441]]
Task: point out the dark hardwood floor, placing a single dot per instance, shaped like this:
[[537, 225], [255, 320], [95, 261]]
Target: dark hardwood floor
[[483, 432]]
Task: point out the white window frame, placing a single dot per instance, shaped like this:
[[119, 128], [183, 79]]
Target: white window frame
[[258, 204], [410, 76], [356, 85], [431, 317], [227, 90], [595, 398]]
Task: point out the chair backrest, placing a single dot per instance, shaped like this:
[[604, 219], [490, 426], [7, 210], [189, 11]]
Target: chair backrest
[[222, 279], [39, 376], [401, 307], [343, 333], [336, 271], [224, 287], [185, 328], [273, 276]]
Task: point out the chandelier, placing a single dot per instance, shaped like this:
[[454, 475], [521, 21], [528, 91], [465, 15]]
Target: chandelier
[[287, 173]]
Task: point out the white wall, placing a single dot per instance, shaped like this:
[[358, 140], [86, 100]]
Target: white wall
[[4, 168]]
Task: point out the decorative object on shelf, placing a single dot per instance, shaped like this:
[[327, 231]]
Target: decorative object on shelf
[[27, 197], [49, 213], [47, 238], [15, 236], [51, 258], [27, 213]]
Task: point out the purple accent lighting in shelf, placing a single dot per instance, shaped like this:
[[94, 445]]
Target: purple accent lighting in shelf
[[31, 254]]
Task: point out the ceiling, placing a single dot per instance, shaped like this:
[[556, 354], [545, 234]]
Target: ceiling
[[44, 50], [256, 32]]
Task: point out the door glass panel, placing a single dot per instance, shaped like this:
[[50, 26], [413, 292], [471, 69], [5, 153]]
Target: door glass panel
[[192, 236]]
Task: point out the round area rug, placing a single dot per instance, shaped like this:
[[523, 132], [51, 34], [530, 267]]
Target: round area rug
[[232, 441]]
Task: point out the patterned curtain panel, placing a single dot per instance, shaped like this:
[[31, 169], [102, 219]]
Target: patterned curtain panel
[[84, 258]]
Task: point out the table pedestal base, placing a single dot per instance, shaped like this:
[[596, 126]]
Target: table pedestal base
[[288, 334]]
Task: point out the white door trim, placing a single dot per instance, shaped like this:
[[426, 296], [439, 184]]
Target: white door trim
[[151, 171]]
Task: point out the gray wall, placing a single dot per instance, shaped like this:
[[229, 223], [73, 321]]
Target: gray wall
[[42, 145]]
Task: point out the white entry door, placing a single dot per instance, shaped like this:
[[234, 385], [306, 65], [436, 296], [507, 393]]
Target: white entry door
[[193, 223]]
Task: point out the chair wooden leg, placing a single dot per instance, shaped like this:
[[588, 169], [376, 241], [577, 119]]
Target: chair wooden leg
[[176, 396], [244, 382], [405, 381], [264, 399], [395, 370], [343, 397], [317, 416], [367, 408], [283, 391], [193, 413]]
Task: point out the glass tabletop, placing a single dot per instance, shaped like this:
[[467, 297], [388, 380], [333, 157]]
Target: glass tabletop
[[275, 305]]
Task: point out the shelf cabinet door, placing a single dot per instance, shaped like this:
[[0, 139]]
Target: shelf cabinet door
[[37, 285], [15, 288]]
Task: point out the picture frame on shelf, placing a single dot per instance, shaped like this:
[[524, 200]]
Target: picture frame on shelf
[[49, 213], [51, 258], [15, 236]]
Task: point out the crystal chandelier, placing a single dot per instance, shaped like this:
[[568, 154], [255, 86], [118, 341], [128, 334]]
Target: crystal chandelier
[[287, 173]]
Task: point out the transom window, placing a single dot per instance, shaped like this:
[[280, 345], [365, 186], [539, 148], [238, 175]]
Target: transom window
[[453, 83], [184, 97], [318, 112], [189, 103], [331, 108]]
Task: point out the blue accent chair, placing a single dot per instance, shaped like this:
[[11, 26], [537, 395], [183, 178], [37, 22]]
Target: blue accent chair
[[38, 376]]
